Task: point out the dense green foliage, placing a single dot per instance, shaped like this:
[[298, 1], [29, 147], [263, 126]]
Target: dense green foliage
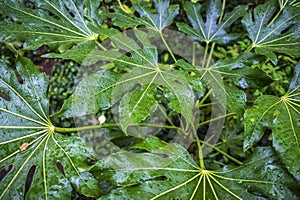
[[150, 100]]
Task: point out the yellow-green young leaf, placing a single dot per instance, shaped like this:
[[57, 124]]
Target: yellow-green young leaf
[[167, 171], [36, 162], [63, 23], [158, 20], [281, 115], [274, 30], [210, 30]]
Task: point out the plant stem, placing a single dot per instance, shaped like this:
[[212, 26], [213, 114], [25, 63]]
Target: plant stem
[[250, 47], [157, 125], [222, 12], [101, 46], [217, 118], [210, 54], [11, 47], [165, 115], [276, 16], [167, 46], [205, 97], [92, 127], [200, 153], [83, 128], [201, 159], [222, 152], [208, 104], [121, 6], [205, 54], [194, 54], [206, 62]]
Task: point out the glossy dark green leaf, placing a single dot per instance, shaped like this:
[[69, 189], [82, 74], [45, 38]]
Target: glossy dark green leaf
[[40, 162], [65, 23], [195, 84], [80, 184], [162, 18], [259, 118], [148, 74], [210, 30], [136, 104], [239, 71], [261, 176], [167, 171], [236, 70], [77, 53], [272, 30], [133, 95], [236, 101], [296, 79], [280, 115], [232, 138], [214, 82], [91, 94], [193, 77]]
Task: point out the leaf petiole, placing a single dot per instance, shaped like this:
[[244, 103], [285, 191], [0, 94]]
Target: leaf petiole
[[92, 127], [167, 46]]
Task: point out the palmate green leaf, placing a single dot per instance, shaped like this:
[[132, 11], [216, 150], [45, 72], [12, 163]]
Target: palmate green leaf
[[163, 16], [77, 53], [64, 23], [210, 30], [237, 71], [167, 171], [36, 162], [281, 115], [133, 95], [86, 98], [270, 34], [149, 73], [137, 90], [240, 72], [232, 138], [136, 97]]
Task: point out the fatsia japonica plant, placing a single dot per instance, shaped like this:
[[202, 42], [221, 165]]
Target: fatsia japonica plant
[[178, 117]]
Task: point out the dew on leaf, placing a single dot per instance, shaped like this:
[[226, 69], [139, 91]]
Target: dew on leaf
[[243, 83]]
